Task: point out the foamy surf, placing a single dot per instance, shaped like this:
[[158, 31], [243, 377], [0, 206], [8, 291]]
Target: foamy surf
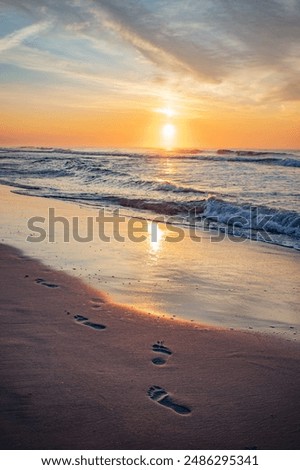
[[246, 193]]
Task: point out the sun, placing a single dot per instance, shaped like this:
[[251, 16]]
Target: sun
[[168, 132], [168, 135]]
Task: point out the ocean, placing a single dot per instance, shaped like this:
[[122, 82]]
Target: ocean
[[245, 193]]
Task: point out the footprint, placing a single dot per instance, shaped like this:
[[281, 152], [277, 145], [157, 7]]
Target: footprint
[[160, 348], [45, 283], [95, 326], [96, 299], [80, 318], [96, 302], [159, 361], [161, 397], [85, 321]]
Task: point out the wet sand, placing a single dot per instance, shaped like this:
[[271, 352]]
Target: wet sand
[[78, 372], [240, 284]]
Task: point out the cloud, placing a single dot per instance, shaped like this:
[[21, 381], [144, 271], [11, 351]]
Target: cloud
[[289, 91], [223, 49], [212, 41], [266, 29], [17, 37], [69, 75], [152, 37]]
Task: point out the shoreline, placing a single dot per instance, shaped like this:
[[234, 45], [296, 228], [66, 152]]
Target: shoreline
[[247, 286], [68, 385]]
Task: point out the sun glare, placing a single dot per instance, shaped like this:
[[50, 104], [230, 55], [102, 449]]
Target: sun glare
[[166, 111], [169, 112], [168, 132]]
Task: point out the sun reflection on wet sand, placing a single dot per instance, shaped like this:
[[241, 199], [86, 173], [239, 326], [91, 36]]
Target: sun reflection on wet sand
[[156, 236]]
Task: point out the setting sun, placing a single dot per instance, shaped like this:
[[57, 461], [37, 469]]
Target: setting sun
[[168, 133]]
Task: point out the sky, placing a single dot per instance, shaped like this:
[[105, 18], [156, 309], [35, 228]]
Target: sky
[[153, 73]]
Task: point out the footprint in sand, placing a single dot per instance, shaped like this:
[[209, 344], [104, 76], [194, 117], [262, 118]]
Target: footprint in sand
[[85, 321], [160, 396], [158, 361], [45, 283], [96, 302], [160, 348]]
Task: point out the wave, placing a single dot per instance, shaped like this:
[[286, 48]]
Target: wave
[[220, 212], [160, 186], [244, 216], [27, 187], [247, 216], [240, 218], [261, 156], [71, 152], [277, 160], [250, 152], [168, 186], [198, 187]]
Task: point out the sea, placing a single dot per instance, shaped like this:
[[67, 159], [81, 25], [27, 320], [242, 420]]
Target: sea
[[242, 192]]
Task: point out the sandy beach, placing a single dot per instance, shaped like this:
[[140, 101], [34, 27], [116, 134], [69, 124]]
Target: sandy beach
[[236, 283], [80, 371], [69, 382]]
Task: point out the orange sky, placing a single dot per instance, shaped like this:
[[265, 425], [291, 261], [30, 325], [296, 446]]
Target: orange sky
[[79, 128], [94, 75]]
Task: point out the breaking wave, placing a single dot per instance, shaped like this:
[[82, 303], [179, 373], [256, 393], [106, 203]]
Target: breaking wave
[[225, 188]]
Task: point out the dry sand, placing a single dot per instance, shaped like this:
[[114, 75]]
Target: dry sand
[[67, 385]]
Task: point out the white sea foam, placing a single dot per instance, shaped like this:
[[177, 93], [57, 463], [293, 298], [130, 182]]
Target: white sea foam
[[241, 191]]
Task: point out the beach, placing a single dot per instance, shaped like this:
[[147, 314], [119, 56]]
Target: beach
[[66, 385], [232, 283], [150, 233], [77, 368]]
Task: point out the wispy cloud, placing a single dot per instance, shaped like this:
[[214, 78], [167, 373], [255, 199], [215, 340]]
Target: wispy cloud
[[156, 40], [216, 41], [18, 37], [243, 52]]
